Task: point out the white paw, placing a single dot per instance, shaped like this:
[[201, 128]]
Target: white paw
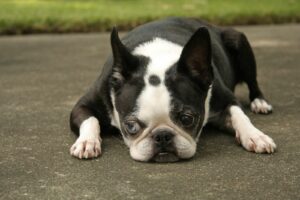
[[256, 142], [260, 106], [86, 148]]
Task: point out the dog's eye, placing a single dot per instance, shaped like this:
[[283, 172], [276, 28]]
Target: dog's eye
[[132, 127], [186, 120]]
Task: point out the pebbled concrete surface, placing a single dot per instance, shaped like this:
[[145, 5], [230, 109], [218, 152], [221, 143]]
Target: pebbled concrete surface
[[42, 76]]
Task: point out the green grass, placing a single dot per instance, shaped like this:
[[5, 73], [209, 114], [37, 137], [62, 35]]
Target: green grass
[[33, 16]]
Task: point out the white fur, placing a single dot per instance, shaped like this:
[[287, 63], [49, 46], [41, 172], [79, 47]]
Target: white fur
[[162, 53], [88, 144], [154, 101], [250, 137], [143, 150], [154, 104], [115, 118], [260, 106], [185, 148], [206, 107]]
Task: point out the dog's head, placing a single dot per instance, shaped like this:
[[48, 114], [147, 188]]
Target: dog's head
[[160, 93]]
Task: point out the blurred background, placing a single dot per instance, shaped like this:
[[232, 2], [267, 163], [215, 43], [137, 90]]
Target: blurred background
[[43, 75], [63, 16]]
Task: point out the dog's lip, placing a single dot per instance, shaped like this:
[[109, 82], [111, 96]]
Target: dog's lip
[[165, 157], [162, 153]]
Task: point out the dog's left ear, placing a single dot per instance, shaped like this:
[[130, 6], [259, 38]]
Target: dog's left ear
[[195, 59], [123, 61]]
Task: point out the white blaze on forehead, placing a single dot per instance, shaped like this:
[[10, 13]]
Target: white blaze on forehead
[[153, 104], [162, 53], [154, 101]]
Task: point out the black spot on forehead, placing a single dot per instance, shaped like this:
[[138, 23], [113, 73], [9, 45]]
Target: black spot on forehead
[[154, 80]]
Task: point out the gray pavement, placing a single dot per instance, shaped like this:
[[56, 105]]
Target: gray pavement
[[42, 76]]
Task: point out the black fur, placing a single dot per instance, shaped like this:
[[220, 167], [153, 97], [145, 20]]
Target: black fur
[[211, 55], [154, 80]]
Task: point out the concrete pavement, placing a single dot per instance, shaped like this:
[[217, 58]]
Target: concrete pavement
[[42, 76]]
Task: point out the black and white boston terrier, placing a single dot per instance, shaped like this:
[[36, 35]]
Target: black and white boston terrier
[[163, 83]]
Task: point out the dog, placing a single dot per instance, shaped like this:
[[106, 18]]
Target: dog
[[164, 81]]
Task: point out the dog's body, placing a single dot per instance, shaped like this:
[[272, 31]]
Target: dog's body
[[163, 83]]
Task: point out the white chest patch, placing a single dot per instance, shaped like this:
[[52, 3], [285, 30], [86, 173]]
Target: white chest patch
[[154, 101]]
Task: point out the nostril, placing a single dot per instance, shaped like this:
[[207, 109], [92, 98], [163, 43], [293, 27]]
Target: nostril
[[157, 138], [168, 137], [163, 138]]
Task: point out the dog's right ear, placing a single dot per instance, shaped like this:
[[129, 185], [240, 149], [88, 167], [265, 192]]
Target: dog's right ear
[[195, 60], [123, 61]]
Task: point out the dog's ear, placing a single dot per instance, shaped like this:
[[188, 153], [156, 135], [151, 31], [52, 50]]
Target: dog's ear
[[195, 59], [123, 61]]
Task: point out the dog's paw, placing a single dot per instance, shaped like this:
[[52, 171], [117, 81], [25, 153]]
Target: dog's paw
[[86, 148], [260, 106], [257, 142]]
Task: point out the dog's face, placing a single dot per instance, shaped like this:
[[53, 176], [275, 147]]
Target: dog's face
[[160, 93]]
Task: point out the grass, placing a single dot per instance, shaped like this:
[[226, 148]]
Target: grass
[[34, 16]]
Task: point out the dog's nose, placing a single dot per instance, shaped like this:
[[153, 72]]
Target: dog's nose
[[163, 138]]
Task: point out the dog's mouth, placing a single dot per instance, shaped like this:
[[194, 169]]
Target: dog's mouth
[[165, 157]]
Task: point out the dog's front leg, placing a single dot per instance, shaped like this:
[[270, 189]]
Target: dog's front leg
[[247, 135], [88, 144]]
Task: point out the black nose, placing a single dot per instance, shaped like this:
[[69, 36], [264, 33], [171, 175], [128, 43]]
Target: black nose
[[163, 138]]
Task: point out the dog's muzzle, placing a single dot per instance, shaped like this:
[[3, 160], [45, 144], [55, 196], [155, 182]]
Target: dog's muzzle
[[164, 150]]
